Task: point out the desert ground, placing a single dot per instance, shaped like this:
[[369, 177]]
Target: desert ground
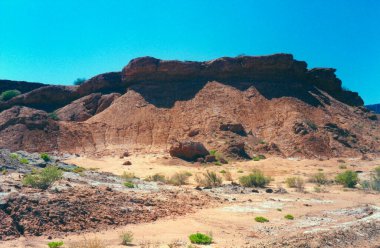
[[324, 216]]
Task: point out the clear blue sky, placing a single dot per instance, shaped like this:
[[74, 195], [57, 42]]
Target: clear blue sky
[[54, 41]]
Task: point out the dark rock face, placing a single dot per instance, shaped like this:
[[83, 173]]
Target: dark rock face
[[103, 83], [235, 128], [86, 107], [21, 86], [188, 150], [46, 98], [237, 150]]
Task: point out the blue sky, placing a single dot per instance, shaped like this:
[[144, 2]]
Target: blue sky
[[54, 41]]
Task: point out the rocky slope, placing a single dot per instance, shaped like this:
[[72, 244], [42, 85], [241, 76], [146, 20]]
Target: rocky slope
[[374, 107], [280, 107]]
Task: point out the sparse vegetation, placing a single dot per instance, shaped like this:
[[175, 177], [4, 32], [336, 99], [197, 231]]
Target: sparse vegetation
[[348, 179], [342, 167], [374, 182], [319, 178], [127, 238], [23, 160], [289, 217], [79, 169], [45, 157], [180, 178], [200, 238], [255, 179], [14, 156], [209, 179], [128, 176], [129, 184], [156, 178], [88, 243], [228, 176], [258, 157], [240, 171], [42, 179], [295, 182], [261, 219], [55, 244], [9, 94], [53, 116]]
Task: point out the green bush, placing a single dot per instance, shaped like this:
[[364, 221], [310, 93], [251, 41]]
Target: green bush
[[200, 238], [258, 157], [55, 244], [45, 157], [255, 179], [129, 184], [42, 179], [24, 160], [180, 178], [261, 219], [53, 116], [9, 94], [209, 179], [348, 178], [79, 81], [289, 217], [14, 156], [127, 238]]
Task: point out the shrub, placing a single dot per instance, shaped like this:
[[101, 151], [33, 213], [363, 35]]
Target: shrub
[[374, 182], [295, 182], [217, 163], [289, 217], [342, 167], [240, 171], [53, 116], [156, 178], [45, 157], [228, 176], [200, 238], [42, 179], [261, 219], [348, 178], [9, 94], [258, 157], [88, 243], [222, 171], [24, 160], [255, 179], [129, 184], [127, 238], [209, 179], [128, 176], [14, 156], [319, 178], [180, 178], [55, 244], [79, 169], [79, 81]]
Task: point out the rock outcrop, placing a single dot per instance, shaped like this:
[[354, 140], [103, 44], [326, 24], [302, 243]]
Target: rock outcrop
[[21, 86], [270, 104], [86, 107], [188, 150]]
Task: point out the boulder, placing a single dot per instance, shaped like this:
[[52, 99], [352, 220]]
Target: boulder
[[188, 150], [233, 127]]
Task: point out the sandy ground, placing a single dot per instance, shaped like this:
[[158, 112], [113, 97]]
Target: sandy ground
[[232, 223]]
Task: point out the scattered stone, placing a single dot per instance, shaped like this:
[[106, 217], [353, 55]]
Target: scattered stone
[[269, 190], [127, 163]]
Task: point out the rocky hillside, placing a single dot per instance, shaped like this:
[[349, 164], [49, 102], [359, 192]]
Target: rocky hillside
[[261, 105]]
